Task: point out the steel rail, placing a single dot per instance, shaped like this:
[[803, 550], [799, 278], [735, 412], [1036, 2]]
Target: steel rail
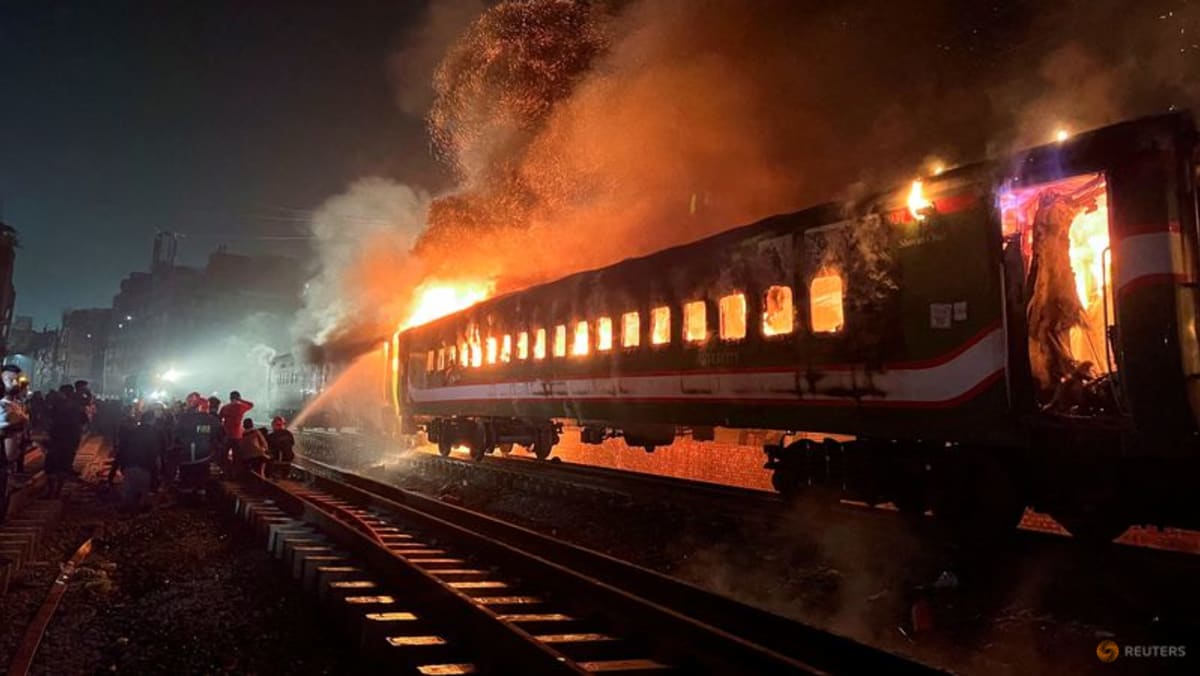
[[741, 637]]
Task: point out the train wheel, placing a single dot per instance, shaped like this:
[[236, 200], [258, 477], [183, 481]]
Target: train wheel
[[786, 483], [505, 449], [543, 444], [481, 441]]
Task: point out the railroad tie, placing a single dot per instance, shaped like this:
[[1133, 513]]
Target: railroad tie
[[293, 528], [336, 582], [311, 561], [376, 626], [457, 574], [582, 645], [414, 650], [286, 543], [445, 669], [430, 563], [537, 623], [637, 666]]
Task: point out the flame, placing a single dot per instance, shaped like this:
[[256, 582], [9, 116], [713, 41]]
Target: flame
[[916, 200], [435, 299], [1088, 242], [579, 346], [1061, 135]]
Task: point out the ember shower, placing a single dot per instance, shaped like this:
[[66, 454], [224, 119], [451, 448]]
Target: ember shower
[[581, 133]]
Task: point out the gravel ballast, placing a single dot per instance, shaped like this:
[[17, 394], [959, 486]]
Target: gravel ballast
[[182, 589]]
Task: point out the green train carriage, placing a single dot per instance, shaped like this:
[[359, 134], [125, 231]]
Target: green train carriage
[[914, 322]]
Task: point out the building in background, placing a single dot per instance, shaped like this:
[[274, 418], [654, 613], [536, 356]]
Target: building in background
[[43, 354], [81, 344], [209, 329], [20, 340], [8, 294]]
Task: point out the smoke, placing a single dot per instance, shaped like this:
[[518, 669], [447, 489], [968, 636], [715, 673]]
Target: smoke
[[584, 132], [364, 237], [233, 355]]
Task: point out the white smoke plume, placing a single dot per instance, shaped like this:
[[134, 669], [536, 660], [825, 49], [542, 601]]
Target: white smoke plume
[[363, 239]]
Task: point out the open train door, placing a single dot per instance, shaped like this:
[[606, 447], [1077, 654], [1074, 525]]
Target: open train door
[[1059, 297]]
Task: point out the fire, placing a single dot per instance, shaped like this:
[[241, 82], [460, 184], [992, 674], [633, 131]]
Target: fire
[[1088, 244], [434, 299], [1061, 135], [917, 203]]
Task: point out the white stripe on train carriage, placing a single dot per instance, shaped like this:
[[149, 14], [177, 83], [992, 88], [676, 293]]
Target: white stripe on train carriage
[[942, 382], [1150, 255]]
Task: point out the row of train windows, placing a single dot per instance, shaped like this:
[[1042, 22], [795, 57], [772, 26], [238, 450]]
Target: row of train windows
[[778, 318]]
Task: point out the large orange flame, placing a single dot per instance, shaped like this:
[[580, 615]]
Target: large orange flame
[[434, 299]]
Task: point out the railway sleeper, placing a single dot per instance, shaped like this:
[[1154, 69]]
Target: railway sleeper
[[389, 637], [393, 637]]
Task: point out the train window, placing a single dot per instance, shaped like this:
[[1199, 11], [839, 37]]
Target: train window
[[539, 344], [695, 322], [631, 329], [506, 348], [523, 345], [825, 302], [476, 354], [451, 356], [464, 355], [778, 316], [441, 359], [604, 334], [492, 349], [579, 346], [430, 361], [733, 316], [560, 340], [660, 325]]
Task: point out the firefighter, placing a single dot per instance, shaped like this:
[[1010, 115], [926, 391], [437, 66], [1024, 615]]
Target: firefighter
[[198, 438], [280, 443]]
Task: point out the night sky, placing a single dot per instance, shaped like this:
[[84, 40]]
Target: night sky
[[212, 118], [230, 121]]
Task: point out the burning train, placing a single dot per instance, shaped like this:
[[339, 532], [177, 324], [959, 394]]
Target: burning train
[[1014, 333]]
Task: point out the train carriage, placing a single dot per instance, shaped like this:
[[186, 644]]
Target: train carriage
[[1011, 333]]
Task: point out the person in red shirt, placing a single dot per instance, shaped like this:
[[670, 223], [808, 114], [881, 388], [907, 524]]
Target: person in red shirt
[[231, 420]]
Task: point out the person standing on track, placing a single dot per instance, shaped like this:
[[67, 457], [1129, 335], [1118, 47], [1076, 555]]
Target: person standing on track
[[231, 420], [67, 420], [198, 438], [138, 459]]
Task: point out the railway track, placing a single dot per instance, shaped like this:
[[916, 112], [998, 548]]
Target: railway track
[[435, 588]]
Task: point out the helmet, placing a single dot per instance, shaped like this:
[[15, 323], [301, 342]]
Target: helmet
[[278, 423], [194, 399]]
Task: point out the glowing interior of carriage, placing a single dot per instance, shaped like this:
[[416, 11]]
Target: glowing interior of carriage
[[1087, 244]]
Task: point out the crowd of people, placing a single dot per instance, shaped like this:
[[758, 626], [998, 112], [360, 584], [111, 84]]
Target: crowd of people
[[155, 444]]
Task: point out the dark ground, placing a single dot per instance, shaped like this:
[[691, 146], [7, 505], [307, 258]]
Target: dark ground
[[179, 590], [1003, 614]]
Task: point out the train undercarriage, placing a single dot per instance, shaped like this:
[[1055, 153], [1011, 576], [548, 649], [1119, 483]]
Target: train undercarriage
[[483, 435], [971, 489]]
